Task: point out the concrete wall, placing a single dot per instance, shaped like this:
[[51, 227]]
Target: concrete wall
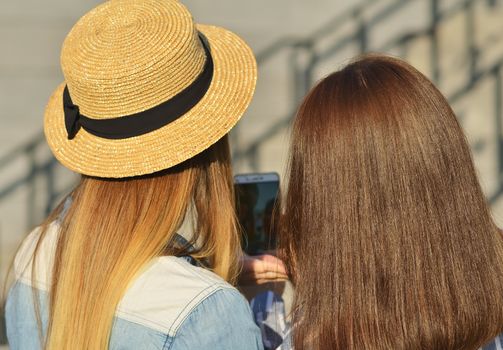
[[32, 31]]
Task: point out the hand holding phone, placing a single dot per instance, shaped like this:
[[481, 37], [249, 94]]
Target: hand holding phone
[[260, 269]]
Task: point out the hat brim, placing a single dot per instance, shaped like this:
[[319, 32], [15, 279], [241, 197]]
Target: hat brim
[[224, 103]]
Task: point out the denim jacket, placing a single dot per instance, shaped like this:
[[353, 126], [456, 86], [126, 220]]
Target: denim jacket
[[172, 305]]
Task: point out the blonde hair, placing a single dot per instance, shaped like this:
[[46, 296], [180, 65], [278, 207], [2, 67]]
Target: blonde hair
[[388, 233], [114, 227]]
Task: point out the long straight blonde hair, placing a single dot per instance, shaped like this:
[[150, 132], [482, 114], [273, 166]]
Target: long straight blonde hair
[[114, 227], [386, 228]]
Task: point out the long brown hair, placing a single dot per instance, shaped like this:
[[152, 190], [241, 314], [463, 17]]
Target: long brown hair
[[386, 229], [114, 227]]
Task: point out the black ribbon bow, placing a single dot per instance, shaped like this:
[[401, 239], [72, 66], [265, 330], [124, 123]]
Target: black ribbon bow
[[72, 115]]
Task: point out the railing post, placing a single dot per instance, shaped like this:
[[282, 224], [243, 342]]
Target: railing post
[[254, 159], [302, 57], [498, 114], [3, 336], [308, 73], [234, 138], [470, 39], [32, 184], [362, 36], [435, 53], [51, 193]]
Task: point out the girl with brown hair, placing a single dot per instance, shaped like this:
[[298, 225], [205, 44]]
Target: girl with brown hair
[[387, 233], [143, 115]]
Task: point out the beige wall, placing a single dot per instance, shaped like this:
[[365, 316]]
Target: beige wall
[[31, 33]]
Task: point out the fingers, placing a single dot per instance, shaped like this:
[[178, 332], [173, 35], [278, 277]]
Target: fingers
[[262, 278], [264, 281], [268, 263], [262, 269]]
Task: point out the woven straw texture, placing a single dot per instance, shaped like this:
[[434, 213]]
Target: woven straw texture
[[128, 56]]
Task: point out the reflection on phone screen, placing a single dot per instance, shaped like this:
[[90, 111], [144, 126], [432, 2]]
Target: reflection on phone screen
[[256, 208]]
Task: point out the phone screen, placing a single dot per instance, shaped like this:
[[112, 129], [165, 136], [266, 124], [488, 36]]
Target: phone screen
[[256, 199]]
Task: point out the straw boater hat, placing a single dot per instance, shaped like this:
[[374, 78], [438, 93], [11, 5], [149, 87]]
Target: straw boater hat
[[145, 89]]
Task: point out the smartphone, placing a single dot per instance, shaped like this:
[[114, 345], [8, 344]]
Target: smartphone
[[256, 204]]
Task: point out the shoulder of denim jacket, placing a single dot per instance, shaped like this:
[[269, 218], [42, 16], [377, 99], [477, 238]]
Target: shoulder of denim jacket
[[166, 292], [39, 277]]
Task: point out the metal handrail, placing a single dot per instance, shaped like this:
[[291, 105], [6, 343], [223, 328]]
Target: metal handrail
[[290, 43], [307, 42], [46, 168], [359, 35]]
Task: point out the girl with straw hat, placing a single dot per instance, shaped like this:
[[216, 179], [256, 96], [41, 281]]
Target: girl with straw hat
[[143, 114]]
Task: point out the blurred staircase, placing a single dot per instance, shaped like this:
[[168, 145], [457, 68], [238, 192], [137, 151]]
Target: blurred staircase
[[457, 43]]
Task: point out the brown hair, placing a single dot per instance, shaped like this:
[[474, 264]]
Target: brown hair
[[114, 227], [386, 229]]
